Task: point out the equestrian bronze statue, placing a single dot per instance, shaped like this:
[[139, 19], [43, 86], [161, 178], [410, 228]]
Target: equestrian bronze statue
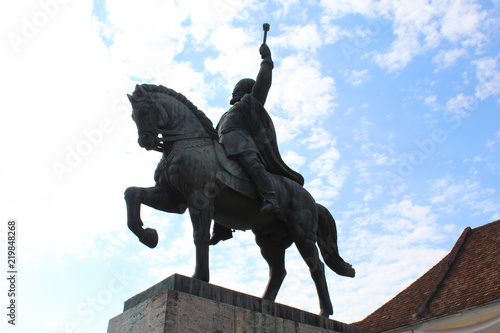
[[234, 176]]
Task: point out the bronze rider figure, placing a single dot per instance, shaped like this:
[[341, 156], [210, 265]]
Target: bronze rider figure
[[247, 133]]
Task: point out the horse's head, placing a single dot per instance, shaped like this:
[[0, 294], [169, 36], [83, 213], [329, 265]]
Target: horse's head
[[161, 114], [149, 117]]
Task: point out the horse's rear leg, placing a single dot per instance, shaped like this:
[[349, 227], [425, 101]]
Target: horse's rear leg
[[156, 197], [304, 230], [274, 253], [309, 252]]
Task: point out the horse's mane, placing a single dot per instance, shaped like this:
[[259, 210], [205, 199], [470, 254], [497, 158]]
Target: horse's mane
[[207, 123]]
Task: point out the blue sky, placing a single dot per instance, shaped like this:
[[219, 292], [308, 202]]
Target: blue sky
[[390, 110]]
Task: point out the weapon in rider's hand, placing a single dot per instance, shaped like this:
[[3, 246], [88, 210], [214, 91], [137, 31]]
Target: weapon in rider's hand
[[265, 27]]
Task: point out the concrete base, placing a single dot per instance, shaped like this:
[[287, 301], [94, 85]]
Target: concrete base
[[181, 304]]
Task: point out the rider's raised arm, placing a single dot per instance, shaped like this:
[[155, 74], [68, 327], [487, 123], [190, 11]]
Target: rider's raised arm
[[264, 78]]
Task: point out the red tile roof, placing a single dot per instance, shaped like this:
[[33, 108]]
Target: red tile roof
[[468, 276]]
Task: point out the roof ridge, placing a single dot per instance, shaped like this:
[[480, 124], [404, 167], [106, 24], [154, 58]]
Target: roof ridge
[[486, 225], [452, 257]]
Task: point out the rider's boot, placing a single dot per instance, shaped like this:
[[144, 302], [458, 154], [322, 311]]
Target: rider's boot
[[220, 233], [263, 183]]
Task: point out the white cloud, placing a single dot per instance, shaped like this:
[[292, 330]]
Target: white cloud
[[238, 59], [377, 154], [301, 38], [326, 166], [448, 58], [460, 105], [373, 193], [402, 50], [301, 92], [147, 34], [52, 323], [414, 212], [65, 85], [182, 78], [238, 37], [412, 20], [286, 130], [321, 191], [165, 19], [150, 17], [488, 76], [319, 138], [430, 99], [326, 162], [361, 133], [208, 15], [288, 6], [418, 26], [492, 142], [356, 78], [461, 19], [364, 171], [293, 159], [337, 9], [331, 33], [392, 245], [452, 195]]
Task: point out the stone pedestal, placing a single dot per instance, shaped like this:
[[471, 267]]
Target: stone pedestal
[[181, 304]]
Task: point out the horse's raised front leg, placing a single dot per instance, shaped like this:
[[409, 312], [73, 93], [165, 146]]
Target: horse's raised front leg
[[156, 197], [201, 211]]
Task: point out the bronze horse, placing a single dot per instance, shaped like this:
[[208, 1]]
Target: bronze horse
[[195, 174]]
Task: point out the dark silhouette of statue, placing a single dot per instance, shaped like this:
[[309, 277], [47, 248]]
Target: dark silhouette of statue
[[252, 189]]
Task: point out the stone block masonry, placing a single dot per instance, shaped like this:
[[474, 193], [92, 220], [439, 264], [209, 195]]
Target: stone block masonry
[[181, 304]]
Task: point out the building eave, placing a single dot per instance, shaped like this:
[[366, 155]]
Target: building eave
[[458, 319]]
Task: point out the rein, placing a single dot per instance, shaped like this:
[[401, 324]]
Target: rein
[[171, 135]]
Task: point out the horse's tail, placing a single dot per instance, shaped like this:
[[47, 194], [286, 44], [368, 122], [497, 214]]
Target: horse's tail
[[327, 242]]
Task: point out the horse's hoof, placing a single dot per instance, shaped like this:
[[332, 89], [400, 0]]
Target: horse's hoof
[[202, 277], [326, 313], [149, 238]]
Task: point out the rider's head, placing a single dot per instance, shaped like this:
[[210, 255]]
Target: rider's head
[[243, 87]]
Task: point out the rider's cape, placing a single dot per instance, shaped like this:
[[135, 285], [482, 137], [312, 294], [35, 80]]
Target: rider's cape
[[264, 135]]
